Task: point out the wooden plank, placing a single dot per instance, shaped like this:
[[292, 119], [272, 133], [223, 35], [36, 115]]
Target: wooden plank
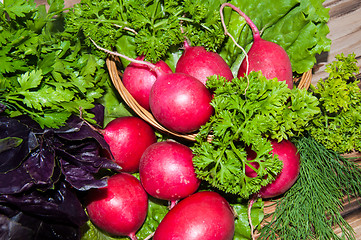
[[345, 33]]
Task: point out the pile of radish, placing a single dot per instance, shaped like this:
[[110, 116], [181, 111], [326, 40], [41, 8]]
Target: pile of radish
[[180, 101]]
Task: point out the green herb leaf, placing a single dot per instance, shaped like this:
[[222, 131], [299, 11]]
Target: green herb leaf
[[16, 8], [248, 113], [48, 74], [339, 125]]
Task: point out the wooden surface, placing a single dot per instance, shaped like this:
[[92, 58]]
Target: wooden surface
[[345, 33]]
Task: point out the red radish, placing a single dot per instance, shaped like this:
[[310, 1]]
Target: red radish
[[138, 79], [166, 171], [203, 215], [265, 56], [120, 208], [180, 102], [248, 170], [200, 63], [288, 154], [128, 137]]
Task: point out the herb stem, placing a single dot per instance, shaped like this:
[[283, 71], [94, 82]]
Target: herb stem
[[114, 22], [192, 21]]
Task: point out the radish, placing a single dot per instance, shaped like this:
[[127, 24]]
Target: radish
[[178, 101], [203, 215], [248, 170], [128, 137], [199, 63], [120, 208], [288, 154], [166, 171], [138, 79], [265, 56]]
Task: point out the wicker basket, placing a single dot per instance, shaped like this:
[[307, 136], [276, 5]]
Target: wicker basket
[[113, 67]]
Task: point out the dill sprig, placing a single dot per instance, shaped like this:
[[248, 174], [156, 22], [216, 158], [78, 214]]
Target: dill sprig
[[313, 205]]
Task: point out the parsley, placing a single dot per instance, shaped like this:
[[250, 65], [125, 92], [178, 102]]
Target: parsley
[[45, 73], [268, 110], [150, 28], [338, 126]]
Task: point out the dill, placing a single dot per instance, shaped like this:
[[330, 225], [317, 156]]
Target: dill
[[313, 205]]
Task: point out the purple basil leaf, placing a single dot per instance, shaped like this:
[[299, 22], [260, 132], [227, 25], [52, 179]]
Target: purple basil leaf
[[79, 169], [60, 205], [55, 231], [98, 111], [30, 123], [11, 229], [15, 181], [57, 174], [81, 179], [12, 158], [2, 107], [41, 162], [27, 227], [87, 132], [72, 126], [86, 155]]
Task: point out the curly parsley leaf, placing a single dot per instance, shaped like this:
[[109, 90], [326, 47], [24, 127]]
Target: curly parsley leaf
[[267, 110], [339, 125], [150, 28]]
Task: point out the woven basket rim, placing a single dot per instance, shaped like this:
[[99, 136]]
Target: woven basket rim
[[303, 82]]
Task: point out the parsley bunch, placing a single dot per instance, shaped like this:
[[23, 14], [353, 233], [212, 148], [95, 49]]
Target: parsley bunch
[[242, 120], [45, 74], [338, 127], [154, 29]]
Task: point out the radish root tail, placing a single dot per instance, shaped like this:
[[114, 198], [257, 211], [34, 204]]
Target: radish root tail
[[254, 30], [148, 64], [250, 205]]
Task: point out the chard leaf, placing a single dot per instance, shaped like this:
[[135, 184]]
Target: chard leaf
[[242, 227], [299, 26]]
